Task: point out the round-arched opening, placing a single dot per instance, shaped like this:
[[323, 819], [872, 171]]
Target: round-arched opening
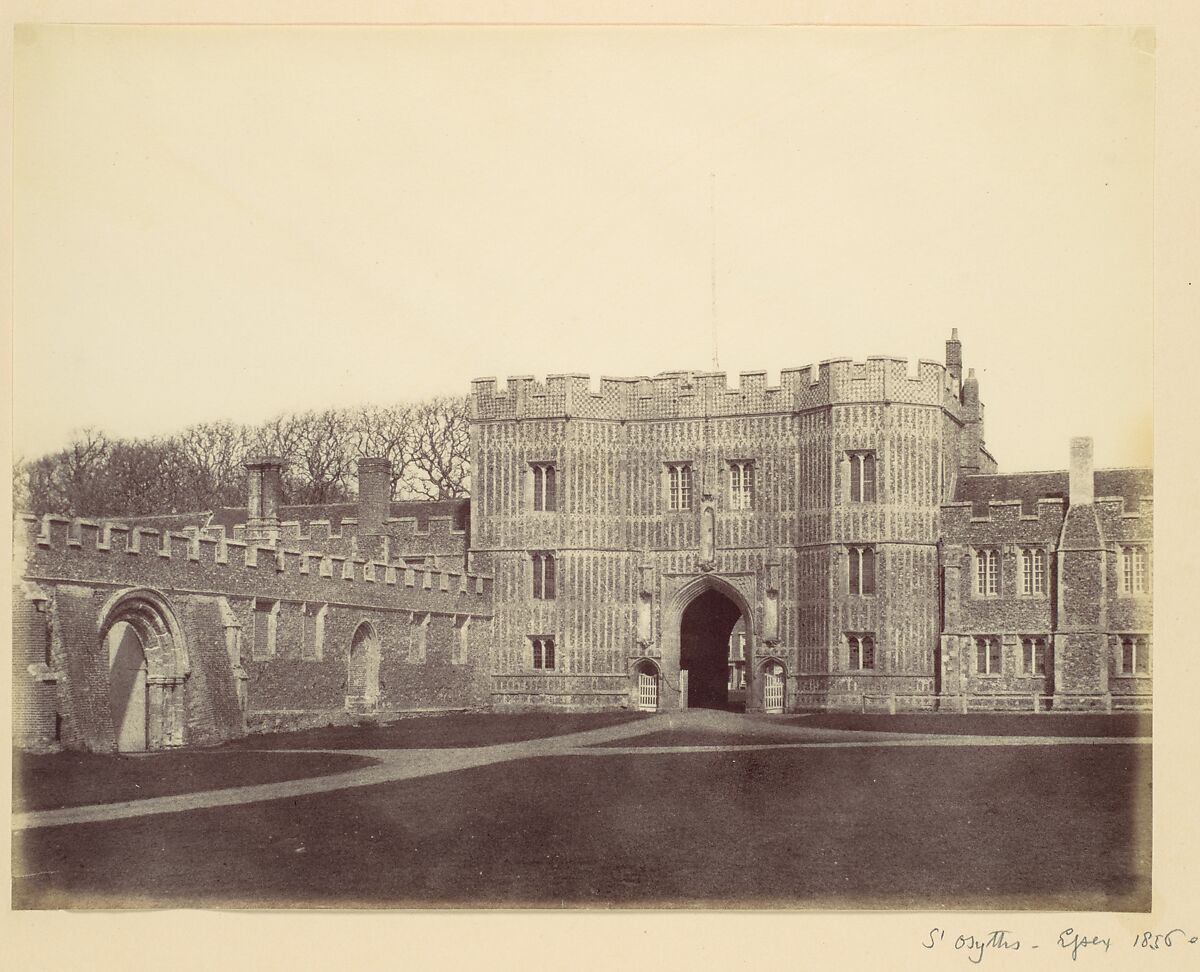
[[712, 646], [147, 668], [645, 686], [774, 686], [128, 701]]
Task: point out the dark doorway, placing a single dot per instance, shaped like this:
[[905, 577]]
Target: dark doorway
[[704, 651]]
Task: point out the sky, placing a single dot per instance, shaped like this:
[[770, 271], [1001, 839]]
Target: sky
[[232, 222]]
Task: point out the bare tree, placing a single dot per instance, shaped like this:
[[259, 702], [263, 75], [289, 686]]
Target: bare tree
[[323, 457], [139, 478], [383, 431], [202, 467], [213, 454], [438, 450]]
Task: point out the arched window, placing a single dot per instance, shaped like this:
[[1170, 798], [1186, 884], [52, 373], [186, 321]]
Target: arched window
[[862, 570], [988, 657], [862, 652], [543, 575], [1135, 655], [1135, 575], [987, 572], [545, 489], [741, 485], [679, 486], [1033, 570], [1033, 652], [862, 477]]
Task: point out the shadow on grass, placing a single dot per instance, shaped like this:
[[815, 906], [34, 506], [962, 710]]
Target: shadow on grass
[[71, 779], [1062, 828]]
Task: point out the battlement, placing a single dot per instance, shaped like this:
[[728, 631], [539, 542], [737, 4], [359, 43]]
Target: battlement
[[67, 548], [681, 394], [961, 522], [1118, 506]]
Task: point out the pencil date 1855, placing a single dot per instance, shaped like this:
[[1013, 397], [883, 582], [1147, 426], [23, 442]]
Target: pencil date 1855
[[1176, 936]]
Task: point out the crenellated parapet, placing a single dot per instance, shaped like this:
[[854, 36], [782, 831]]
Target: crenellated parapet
[[695, 394], [1004, 520], [67, 549]]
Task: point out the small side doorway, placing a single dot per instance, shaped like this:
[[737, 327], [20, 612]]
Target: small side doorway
[[647, 687], [773, 684]]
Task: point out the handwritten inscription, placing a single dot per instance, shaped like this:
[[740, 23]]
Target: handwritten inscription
[[1077, 944], [976, 946], [1072, 940]]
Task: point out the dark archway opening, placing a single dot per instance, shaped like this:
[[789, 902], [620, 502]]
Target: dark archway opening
[[705, 653]]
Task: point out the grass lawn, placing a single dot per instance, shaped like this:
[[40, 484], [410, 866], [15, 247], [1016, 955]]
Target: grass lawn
[[982, 723], [439, 732], [75, 779], [1062, 828]]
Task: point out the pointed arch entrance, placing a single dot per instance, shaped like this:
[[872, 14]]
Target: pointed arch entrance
[[362, 670], [147, 666], [701, 622]]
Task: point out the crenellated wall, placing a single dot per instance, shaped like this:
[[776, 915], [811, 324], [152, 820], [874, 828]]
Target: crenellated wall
[[707, 394], [243, 622]]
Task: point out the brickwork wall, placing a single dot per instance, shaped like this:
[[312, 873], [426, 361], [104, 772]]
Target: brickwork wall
[[35, 695], [210, 587]]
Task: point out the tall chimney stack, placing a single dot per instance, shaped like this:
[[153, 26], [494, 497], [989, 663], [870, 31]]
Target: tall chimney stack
[[1082, 481], [954, 355], [374, 494], [264, 480]]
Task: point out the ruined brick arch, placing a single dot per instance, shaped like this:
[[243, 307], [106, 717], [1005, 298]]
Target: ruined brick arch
[[155, 691], [362, 669]]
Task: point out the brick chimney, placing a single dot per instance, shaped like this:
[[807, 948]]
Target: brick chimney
[[1082, 481], [374, 494], [264, 479], [954, 355]]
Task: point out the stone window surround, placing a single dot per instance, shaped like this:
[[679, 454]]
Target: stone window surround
[[995, 650], [1031, 552], [544, 487], [1124, 552], [543, 647], [986, 580], [543, 575], [1035, 641], [862, 473], [1137, 641], [679, 486], [865, 557], [861, 640], [742, 472]]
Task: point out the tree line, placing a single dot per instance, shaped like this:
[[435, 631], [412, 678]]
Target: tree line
[[201, 467]]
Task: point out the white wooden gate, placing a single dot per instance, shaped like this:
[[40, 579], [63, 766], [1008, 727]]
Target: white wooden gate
[[647, 692], [773, 688]]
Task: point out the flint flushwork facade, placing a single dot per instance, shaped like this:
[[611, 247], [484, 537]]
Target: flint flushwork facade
[[851, 520]]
